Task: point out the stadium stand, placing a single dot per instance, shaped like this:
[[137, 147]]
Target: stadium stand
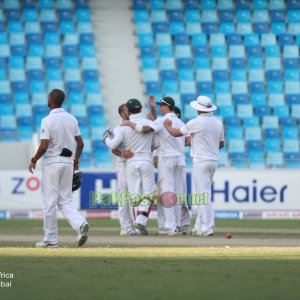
[[242, 54], [49, 44]]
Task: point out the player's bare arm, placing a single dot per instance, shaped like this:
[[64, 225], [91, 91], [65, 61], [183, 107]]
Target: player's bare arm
[[173, 131], [221, 144], [39, 153], [152, 107], [142, 129], [187, 141], [126, 154], [79, 148]]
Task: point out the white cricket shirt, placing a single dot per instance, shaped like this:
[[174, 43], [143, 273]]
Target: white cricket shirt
[[120, 147], [60, 128], [139, 143], [206, 132], [169, 145]]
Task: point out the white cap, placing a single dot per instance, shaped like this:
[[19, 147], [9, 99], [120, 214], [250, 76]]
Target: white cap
[[203, 103]]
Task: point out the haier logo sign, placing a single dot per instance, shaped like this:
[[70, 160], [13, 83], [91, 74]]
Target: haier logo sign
[[248, 193], [255, 190]]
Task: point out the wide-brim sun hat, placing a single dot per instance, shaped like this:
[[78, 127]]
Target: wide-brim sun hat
[[203, 103]]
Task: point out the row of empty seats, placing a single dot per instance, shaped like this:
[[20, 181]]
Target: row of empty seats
[[46, 45], [242, 54]]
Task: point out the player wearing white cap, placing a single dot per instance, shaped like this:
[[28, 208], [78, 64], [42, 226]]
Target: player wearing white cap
[[171, 167], [125, 215], [139, 169], [207, 138]]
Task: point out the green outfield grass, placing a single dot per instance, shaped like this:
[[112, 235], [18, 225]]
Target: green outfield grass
[[151, 273]]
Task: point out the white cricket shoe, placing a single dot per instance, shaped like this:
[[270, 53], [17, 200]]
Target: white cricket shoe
[[83, 234], [196, 232], [141, 228], [45, 244], [128, 232], [184, 229], [168, 232]]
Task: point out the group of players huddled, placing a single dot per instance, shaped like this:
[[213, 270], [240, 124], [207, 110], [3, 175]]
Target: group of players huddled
[[143, 144]]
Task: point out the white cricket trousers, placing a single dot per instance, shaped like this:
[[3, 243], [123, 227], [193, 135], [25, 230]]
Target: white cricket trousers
[[57, 191], [124, 207], [203, 173], [173, 171], [140, 180]]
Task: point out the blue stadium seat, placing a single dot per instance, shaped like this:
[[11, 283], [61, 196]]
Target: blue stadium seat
[[234, 133], [281, 111], [220, 75], [222, 87], [289, 122], [275, 160], [251, 122], [53, 63], [160, 27], [236, 146], [83, 15], [253, 134], [238, 160], [193, 28], [226, 16], [233, 121], [227, 111], [240, 99], [204, 87], [272, 145], [295, 111], [258, 99], [243, 16], [86, 38], [65, 14], [167, 63], [256, 159], [262, 110], [293, 4], [276, 5], [227, 28], [176, 28], [277, 16], [71, 39], [292, 160], [275, 87], [286, 39], [270, 122], [176, 15], [152, 87], [145, 40], [271, 133], [291, 146], [260, 16], [290, 133], [192, 15], [186, 75], [23, 110], [254, 145], [261, 28], [200, 51]]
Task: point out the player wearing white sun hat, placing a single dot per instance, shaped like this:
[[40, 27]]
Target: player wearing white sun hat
[[207, 138]]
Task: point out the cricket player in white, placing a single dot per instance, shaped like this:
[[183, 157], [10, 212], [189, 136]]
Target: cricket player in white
[[171, 167], [139, 169], [59, 132], [125, 215], [207, 138]]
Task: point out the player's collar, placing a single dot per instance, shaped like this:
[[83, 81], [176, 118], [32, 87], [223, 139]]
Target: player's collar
[[170, 114], [135, 116], [206, 114], [57, 110]]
